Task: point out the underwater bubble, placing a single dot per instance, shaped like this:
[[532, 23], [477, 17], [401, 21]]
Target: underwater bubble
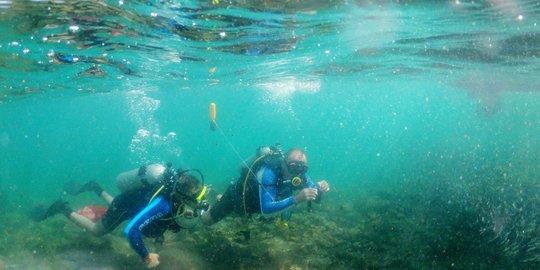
[[143, 132], [284, 88], [74, 28]]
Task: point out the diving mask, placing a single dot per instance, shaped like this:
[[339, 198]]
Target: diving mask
[[297, 167]]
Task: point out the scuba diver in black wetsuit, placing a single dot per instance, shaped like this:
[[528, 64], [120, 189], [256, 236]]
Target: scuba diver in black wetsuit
[[151, 207], [268, 186]]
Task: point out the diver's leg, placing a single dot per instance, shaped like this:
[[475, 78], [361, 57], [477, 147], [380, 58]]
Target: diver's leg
[[95, 228], [117, 212], [106, 197], [73, 188], [62, 207]]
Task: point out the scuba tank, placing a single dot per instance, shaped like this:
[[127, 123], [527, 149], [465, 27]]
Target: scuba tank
[[142, 177], [270, 156]]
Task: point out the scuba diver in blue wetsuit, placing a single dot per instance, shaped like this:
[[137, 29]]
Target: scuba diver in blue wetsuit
[[153, 204], [268, 186]]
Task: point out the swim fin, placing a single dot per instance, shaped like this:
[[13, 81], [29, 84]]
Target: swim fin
[[41, 213], [37, 214]]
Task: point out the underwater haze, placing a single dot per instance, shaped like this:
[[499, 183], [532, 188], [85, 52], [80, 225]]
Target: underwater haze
[[423, 116]]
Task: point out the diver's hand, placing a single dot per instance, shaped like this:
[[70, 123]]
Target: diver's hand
[[323, 186], [152, 260], [306, 194]]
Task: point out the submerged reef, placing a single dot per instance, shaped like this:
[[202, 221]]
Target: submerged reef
[[487, 218]]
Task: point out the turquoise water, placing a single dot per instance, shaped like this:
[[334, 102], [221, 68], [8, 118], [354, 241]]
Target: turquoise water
[[424, 117]]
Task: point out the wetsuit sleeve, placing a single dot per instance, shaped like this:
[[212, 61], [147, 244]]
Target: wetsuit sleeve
[[133, 232], [268, 194]]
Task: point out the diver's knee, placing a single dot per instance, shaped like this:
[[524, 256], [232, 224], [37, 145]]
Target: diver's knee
[[98, 230]]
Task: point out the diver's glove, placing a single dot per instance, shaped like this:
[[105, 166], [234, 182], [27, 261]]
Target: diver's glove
[[152, 260]]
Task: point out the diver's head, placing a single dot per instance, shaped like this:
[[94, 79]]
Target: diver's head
[[189, 190], [296, 161], [189, 194]]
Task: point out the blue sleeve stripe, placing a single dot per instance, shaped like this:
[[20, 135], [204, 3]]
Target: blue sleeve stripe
[[143, 212], [268, 195]]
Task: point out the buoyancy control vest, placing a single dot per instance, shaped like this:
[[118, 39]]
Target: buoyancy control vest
[[270, 156]]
